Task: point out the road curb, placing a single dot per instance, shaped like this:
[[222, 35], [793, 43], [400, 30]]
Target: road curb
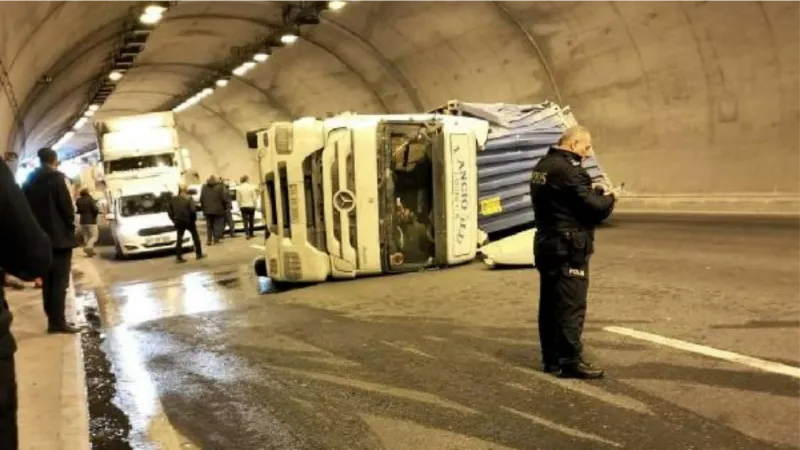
[[74, 430]]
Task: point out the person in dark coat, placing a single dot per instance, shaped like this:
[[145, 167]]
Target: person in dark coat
[[24, 253], [212, 202], [87, 214], [51, 203], [183, 214], [226, 195], [567, 210]]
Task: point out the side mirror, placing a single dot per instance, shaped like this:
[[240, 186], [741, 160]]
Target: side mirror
[[252, 140], [111, 217]]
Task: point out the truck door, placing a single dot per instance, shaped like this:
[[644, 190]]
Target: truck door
[[460, 199]]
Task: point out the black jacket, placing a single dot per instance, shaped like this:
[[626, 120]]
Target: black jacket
[[87, 210], [212, 199], [51, 204], [564, 203], [24, 248], [181, 211]]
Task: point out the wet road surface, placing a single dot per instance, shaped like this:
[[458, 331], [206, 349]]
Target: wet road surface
[[449, 360]]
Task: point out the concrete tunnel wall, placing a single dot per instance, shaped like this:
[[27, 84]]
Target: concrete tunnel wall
[[683, 98]]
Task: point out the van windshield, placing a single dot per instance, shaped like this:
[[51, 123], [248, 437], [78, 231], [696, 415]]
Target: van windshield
[[144, 204], [411, 244], [140, 162]]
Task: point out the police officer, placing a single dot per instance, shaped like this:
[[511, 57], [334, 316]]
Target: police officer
[[567, 209]]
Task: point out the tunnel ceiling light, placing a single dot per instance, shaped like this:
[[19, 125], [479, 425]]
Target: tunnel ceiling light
[[289, 37], [241, 70], [249, 64], [222, 82], [208, 91], [261, 57], [88, 113], [80, 123], [153, 14], [94, 107], [115, 75], [155, 10], [150, 19], [335, 6]]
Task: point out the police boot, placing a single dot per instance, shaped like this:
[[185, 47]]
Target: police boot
[[551, 368], [581, 370]]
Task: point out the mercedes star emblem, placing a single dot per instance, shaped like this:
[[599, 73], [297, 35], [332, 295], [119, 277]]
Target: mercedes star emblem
[[344, 201]]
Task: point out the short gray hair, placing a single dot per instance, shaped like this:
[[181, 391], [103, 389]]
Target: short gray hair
[[573, 133]]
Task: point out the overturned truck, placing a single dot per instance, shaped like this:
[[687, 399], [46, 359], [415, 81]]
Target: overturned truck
[[359, 195], [519, 136]]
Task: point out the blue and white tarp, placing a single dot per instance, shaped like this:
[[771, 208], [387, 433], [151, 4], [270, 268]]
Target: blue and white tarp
[[519, 136]]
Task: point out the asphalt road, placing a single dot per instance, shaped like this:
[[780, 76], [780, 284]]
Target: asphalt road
[[449, 359]]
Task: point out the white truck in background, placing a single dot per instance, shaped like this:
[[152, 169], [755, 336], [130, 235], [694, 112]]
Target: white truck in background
[[140, 149], [361, 195], [143, 163]]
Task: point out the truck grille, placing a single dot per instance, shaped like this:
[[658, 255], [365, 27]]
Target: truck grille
[[350, 180], [312, 184], [154, 231]]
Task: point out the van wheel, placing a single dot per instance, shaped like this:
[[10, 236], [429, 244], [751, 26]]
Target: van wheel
[[260, 266]]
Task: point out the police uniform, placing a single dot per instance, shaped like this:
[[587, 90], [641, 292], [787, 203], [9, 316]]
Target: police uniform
[[567, 210]]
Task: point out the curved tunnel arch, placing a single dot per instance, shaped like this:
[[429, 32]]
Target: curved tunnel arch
[[161, 67], [270, 26], [711, 93]]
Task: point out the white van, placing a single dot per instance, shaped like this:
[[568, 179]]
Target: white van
[[139, 222]]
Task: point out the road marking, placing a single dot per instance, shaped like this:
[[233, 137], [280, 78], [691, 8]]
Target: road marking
[[767, 366], [407, 348], [258, 247], [562, 429]]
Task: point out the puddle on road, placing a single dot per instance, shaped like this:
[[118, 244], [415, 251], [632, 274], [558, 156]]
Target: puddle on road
[[109, 427]]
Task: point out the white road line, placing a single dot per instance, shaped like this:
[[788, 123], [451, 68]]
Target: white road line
[[258, 247], [767, 366], [563, 429]]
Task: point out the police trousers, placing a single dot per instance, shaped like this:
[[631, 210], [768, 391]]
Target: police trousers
[[563, 288], [8, 404]]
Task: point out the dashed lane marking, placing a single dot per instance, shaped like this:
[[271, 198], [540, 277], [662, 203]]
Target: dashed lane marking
[[258, 247], [563, 429], [767, 366]]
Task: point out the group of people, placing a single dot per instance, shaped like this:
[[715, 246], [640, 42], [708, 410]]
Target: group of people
[[216, 204], [37, 236]]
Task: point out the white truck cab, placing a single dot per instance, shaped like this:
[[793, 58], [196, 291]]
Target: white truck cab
[[141, 147], [362, 195], [139, 220]]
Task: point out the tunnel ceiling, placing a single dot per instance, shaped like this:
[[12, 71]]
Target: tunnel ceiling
[[659, 83]]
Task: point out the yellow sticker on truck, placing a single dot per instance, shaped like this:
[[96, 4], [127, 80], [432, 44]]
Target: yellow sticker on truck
[[491, 206]]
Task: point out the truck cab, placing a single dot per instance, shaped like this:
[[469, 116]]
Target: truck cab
[[138, 147], [364, 195]]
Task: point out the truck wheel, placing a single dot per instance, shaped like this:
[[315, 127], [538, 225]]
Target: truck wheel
[[260, 266]]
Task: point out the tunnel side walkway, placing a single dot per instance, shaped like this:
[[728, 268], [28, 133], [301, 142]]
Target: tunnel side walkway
[[53, 412]]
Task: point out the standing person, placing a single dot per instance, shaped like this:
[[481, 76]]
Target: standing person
[[87, 211], [567, 210], [226, 195], [46, 191], [183, 213], [24, 253], [212, 203], [247, 197]]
